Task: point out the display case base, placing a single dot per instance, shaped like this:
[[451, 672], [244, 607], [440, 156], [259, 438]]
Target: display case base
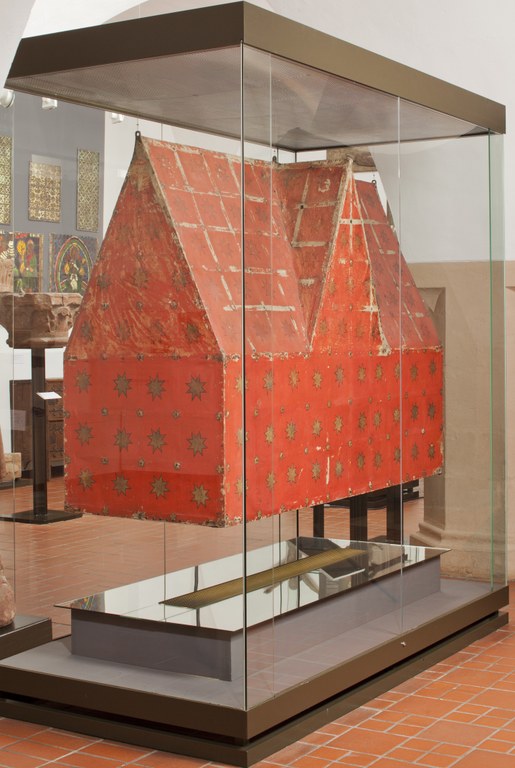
[[22, 633], [242, 752], [327, 619]]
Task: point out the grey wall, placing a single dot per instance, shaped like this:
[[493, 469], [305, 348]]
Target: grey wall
[[52, 136], [55, 136]]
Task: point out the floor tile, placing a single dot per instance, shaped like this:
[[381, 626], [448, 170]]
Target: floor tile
[[80, 760], [422, 745], [436, 760], [68, 741], [116, 751], [454, 750], [491, 722], [167, 760], [15, 760], [402, 753], [326, 753], [473, 677], [482, 759], [404, 729], [357, 759], [494, 698], [318, 737], [376, 725], [5, 740], [498, 746], [422, 705], [461, 717], [388, 762], [35, 749], [20, 730], [390, 717], [367, 742], [287, 755], [310, 762]]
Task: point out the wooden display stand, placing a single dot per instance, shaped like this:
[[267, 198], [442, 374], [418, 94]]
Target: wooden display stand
[[21, 434]]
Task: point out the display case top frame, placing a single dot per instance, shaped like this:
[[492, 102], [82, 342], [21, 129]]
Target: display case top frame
[[184, 69]]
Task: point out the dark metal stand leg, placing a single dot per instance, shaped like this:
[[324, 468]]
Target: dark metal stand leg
[[358, 518], [39, 451], [394, 526], [318, 520]]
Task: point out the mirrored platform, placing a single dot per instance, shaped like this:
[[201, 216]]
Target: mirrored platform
[[191, 621], [281, 578]]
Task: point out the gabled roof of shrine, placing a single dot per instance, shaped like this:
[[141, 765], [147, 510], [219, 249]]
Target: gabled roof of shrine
[[318, 251]]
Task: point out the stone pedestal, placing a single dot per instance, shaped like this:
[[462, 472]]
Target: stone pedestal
[[12, 466], [7, 607], [464, 507], [38, 320]]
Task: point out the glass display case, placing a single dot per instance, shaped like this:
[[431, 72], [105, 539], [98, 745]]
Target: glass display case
[[260, 428]]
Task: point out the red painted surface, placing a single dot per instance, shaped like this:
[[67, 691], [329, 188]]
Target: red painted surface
[[343, 367]]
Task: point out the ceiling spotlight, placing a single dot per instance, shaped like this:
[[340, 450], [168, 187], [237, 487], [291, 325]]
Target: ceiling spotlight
[[48, 103], [117, 118], [6, 97]]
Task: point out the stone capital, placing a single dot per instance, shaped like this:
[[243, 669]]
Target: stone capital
[[38, 320]]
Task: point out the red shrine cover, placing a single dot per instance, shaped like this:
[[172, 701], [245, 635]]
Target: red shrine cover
[[342, 372]]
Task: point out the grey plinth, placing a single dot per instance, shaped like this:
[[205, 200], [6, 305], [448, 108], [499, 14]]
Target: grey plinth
[[132, 625]]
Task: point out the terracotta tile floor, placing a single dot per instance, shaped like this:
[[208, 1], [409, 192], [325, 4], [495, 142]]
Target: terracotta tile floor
[[459, 713]]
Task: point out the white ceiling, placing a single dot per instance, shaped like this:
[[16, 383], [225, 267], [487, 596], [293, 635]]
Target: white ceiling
[[57, 15]]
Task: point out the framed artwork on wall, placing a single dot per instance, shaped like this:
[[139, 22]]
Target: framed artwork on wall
[[71, 260], [27, 252]]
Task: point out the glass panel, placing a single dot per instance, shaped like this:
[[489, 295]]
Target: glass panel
[[323, 339], [195, 441], [500, 321], [453, 423], [119, 245], [9, 459]]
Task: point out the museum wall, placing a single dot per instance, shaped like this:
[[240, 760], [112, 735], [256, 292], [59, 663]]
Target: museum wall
[[53, 136]]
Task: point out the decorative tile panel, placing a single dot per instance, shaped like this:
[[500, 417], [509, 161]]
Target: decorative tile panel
[[88, 190], [5, 179], [44, 192]]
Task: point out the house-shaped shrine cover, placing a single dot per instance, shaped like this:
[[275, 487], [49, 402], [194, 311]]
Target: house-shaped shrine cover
[[339, 388]]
